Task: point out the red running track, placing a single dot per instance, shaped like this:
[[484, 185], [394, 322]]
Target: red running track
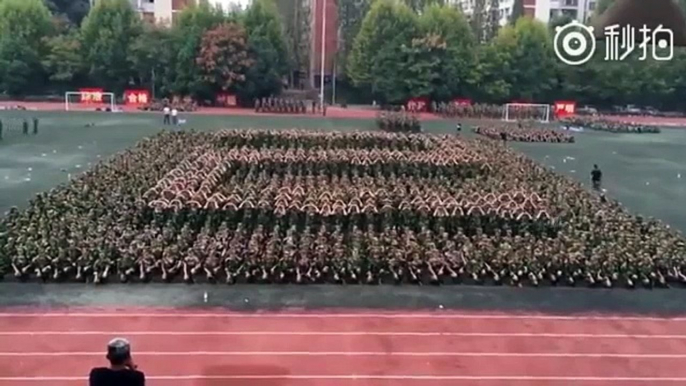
[[185, 348]]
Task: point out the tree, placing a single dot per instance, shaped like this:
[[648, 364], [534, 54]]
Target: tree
[[493, 24], [267, 49], [374, 60], [479, 21], [72, 10], [63, 61], [493, 69], [223, 58], [295, 17], [559, 21], [604, 5], [185, 77], [23, 26], [107, 35], [531, 67], [350, 16], [455, 65], [151, 56], [419, 5], [517, 11]]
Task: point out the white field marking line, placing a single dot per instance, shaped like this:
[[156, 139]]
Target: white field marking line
[[353, 354], [367, 377], [344, 333], [361, 315]]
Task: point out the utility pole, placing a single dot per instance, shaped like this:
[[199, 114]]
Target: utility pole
[[323, 63]]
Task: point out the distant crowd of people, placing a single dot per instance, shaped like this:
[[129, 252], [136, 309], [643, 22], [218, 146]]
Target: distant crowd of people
[[26, 126], [288, 106], [600, 124], [262, 206], [521, 133], [186, 104], [398, 121]]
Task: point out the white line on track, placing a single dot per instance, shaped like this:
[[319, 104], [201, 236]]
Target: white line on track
[[345, 333], [361, 315], [353, 353], [648, 380]]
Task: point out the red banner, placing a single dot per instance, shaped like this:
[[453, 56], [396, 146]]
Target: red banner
[[418, 104], [564, 108], [226, 100], [91, 95], [462, 102], [136, 97]]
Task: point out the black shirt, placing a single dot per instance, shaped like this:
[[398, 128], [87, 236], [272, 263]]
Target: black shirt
[[103, 376], [596, 175]]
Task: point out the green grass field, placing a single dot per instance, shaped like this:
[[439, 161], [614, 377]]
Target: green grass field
[[641, 171]]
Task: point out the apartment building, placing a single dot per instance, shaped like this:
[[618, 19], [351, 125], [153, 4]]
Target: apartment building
[[543, 10], [166, 11]]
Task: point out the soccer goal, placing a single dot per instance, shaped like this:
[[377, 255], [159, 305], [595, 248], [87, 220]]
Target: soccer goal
[[526, 111], [89, 100]]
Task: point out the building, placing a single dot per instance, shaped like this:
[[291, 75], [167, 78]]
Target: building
[[329, 35], [165, 11], [577, 9], [160, 11], [543, 10]]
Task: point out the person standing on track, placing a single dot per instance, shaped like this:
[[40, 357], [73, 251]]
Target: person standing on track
[[122, 370], [596, 177], [166, 111], [175, 116]]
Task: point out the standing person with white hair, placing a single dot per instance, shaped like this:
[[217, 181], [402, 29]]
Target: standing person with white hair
[[122, 370]]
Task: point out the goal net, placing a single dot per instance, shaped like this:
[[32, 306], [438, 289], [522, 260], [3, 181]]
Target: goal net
[[89, 100], [526, 111]]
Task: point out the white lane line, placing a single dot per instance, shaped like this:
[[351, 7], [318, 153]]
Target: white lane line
[[170, 378], [361, 315], [352, 354], [345, 333]]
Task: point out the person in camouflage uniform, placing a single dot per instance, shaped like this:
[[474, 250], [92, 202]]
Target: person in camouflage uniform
[[280, 106], [600, 124], [260, 206]]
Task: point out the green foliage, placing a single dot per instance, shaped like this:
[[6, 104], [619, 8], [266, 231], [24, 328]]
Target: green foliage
[[350, 16], [375, 60], [72, 10], [267, 48], [455, 66], [107, 35], [529, 62], [185, 78], [23, 25], [151, 56], [223, 57], [63, 60], [296, 21], [392, 50], [517, 11]]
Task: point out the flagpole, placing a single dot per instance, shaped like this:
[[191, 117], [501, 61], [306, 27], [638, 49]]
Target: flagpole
[[323, 53]]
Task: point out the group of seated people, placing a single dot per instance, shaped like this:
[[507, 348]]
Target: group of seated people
[[523, 133], [398, 121], [185, 104], [478, 110], [284, 105], [481, 111], [263, 206], [600, 124]]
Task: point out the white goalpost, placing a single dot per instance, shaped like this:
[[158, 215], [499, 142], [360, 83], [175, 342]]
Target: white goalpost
[[89, 100], [522, 111]]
